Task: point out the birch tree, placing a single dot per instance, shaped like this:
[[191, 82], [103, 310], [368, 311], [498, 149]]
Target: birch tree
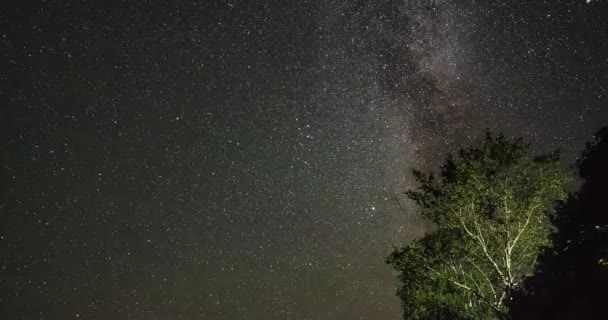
[[491, 207]]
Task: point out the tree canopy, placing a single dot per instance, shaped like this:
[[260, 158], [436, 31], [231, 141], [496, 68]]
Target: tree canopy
[[571, 279], [491, 206]]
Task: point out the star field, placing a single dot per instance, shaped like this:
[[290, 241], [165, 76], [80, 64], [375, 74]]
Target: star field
[[245, 159]]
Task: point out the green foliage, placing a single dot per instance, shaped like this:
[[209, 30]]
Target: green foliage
[[490, 205], [571, 279]]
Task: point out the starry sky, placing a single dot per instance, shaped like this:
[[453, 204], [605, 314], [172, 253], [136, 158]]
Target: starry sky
[[246, 159]]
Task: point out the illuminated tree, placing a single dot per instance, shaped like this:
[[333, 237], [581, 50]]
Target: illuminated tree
[[491, 209]]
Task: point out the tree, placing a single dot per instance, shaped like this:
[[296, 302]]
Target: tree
[[571, 279], [491, 209]]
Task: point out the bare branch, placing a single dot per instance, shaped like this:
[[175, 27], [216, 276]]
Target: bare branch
[[484, 275], [479, 240], [522, 229]]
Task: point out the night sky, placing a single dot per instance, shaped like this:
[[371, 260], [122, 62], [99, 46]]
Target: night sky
[[245, 159]]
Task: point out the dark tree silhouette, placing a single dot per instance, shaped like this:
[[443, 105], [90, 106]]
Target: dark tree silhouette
[[571, 281]]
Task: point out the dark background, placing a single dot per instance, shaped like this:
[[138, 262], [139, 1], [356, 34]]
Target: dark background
[[244, 159]]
